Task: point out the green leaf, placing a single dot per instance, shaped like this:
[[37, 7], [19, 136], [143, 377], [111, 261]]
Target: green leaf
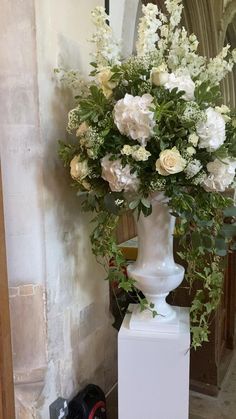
[[134, 204]]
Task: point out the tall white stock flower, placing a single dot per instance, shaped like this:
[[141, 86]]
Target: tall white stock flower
[[182, 82], [133, 117], [107, 49], [221, 175], [119, 178], [219, 66], [212, 131], [147, 30], [174, 7]]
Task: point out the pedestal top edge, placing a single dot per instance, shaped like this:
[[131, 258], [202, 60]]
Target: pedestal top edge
[[184, 327]]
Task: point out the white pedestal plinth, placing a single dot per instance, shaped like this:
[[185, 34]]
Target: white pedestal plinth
[[153, 371]]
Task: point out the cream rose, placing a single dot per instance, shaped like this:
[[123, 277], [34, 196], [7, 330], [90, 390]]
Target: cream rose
[[79, 169], [119, 178], [104, 79], [159, 75], [170, 162], [83, 128]]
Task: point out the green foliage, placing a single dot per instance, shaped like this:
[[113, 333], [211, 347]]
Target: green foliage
[[94, 107], [207, 94], [66, 152], [203, 241]]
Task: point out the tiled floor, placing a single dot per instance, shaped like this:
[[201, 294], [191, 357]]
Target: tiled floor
[[202, 407]]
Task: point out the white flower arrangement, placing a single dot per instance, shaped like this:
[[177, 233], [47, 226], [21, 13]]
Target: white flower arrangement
[[154, 122]]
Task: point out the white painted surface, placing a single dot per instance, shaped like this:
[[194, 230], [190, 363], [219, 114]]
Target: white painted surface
[[154, 372], [155, 270], [124, 16]]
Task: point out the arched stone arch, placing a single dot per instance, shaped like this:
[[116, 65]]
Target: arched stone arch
[[226, 19], [229, 83]]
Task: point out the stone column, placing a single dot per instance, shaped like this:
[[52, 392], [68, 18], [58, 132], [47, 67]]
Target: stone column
[[59, 301]]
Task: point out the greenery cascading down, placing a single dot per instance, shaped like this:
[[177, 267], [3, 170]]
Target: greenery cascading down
[[182, 90]]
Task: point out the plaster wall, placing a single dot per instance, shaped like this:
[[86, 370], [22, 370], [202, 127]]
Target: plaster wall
[[57, 290]]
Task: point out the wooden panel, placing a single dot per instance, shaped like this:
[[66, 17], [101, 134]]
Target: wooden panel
[[126, 229], [7, 410]]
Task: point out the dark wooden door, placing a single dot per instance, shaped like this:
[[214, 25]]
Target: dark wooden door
[[7, 410]]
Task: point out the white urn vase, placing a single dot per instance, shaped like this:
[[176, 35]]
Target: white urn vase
[[155, 271]]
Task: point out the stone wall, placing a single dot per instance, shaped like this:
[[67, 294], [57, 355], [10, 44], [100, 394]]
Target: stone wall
[[61, 326]]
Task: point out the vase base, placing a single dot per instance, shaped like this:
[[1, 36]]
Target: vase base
[[144, 321]]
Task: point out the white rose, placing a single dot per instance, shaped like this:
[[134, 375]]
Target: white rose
[[221, 176], [183, 83], [133, 117], [159, 75], [79, 169], [170, 162], [119, 178], [104, 78], [212, 132]]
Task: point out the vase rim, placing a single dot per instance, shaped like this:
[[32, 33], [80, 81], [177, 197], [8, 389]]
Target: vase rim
[[159, 197]]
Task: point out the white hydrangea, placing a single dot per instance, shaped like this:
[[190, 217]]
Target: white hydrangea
[[193, 168], [133, 117], [221, 175], [183, 82], [212, 131], [119, 178], [147, 30], [107, 49]]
